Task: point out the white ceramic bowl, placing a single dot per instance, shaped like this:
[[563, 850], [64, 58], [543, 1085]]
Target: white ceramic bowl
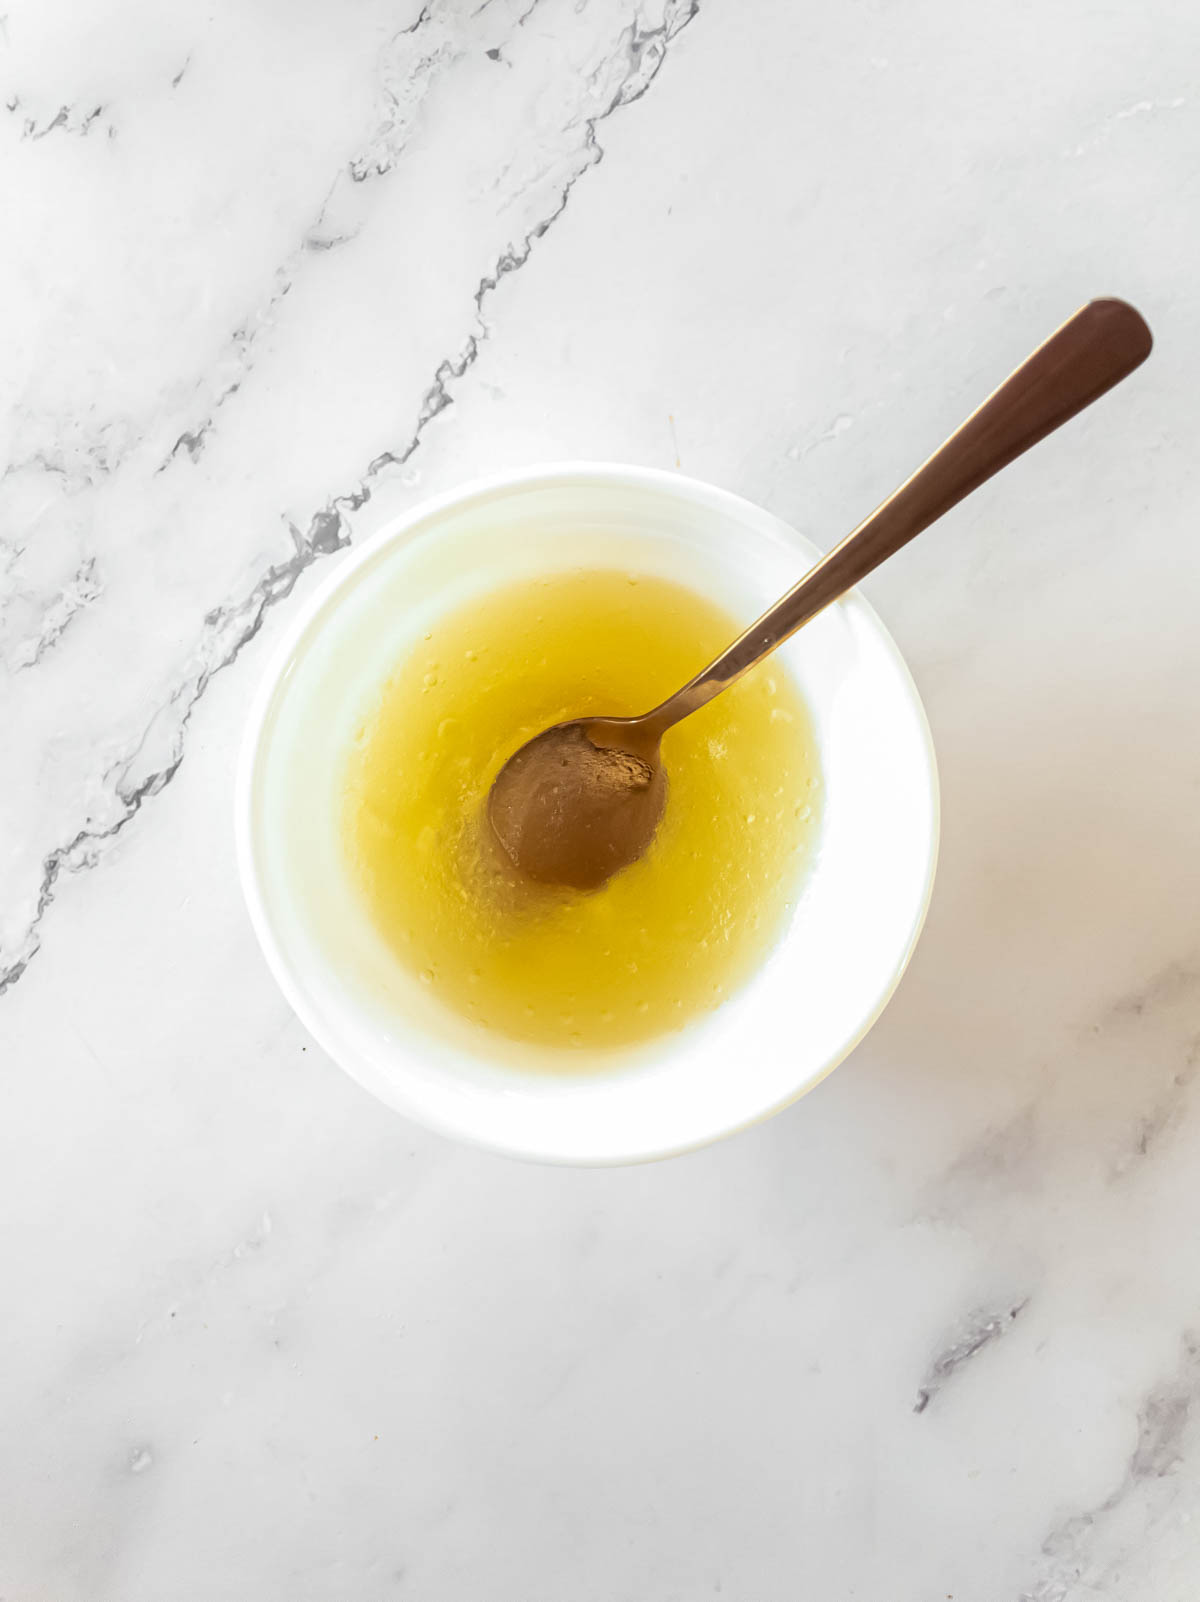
[[832, 970]]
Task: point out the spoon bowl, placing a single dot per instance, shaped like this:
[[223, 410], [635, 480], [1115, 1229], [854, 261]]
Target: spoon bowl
[[580, 801]]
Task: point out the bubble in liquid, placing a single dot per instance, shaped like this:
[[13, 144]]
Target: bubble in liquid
[[427, 976]]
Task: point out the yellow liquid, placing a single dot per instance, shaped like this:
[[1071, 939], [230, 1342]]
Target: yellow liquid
[[660, 943]]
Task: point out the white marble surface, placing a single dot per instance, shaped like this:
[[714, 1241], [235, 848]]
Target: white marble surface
[[271, 272]]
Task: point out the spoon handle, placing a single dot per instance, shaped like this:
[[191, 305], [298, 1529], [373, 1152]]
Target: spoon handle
[[1100, 345]]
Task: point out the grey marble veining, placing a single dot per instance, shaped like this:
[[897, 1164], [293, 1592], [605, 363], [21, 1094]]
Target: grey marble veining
[[274, 273]]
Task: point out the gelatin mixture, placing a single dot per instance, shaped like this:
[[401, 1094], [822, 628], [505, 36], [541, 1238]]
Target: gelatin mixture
[[664, 940]]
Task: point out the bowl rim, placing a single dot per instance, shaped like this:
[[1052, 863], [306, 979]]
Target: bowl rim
[[340, 576]]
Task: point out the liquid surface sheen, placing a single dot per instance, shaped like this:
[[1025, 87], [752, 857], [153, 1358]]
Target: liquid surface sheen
[[664, 940]]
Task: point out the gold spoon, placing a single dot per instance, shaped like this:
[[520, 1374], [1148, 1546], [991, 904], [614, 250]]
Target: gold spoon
[[583, 799]]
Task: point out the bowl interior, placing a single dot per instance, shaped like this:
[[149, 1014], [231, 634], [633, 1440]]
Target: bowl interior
[[831, 971]]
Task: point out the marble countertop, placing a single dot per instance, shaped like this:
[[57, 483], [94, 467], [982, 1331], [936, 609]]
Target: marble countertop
[[272, 272]]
